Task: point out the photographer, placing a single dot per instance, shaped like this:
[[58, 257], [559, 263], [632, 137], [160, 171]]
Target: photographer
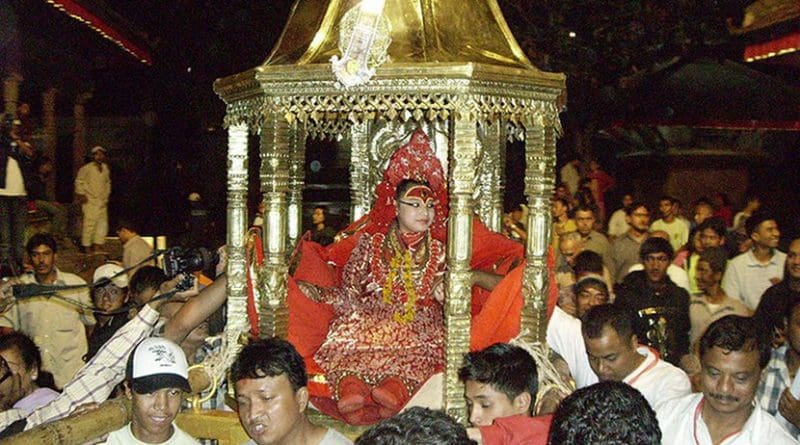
[[12, 203], [96, 380]]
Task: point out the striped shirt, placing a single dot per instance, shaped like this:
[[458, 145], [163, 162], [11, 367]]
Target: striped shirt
[[97, 379]]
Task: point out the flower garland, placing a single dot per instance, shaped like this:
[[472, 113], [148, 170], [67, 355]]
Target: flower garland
[[401, 262]]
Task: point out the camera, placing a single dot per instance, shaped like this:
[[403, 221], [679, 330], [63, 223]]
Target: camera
[[180, 260]]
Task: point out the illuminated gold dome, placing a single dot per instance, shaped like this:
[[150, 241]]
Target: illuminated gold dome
[[422, 31]]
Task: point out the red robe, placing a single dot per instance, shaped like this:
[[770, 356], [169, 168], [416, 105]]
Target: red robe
[[495, 315]]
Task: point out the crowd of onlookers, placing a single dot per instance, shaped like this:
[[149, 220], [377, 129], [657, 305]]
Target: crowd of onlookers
[[699, 313], [672, 330]]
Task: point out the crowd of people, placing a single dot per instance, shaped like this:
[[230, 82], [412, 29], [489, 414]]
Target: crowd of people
[[673, 331], [27, 190]]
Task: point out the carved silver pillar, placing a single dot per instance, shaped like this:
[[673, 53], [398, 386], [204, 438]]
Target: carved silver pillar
[[274, 185], [237, 226], [491, 181], [297, 174], [459, 252], [360, 198], [540, 161]]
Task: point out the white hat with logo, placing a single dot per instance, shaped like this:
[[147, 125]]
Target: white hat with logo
[[157, 363]]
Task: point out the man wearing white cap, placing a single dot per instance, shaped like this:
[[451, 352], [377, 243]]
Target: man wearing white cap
[[92, 189], [157, 377], [109, 294]]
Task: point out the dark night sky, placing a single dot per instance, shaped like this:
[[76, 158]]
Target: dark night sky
[[194, 42]]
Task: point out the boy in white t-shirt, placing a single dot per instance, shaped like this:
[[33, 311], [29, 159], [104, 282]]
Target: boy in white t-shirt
[[156, 379]]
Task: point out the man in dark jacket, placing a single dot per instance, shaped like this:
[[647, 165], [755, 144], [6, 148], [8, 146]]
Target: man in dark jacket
[[662, 307]]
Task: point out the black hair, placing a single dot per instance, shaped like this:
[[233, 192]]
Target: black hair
[[406, 184], [30, 355], [585, 208], [736, 333], [716, 224], [752, 223], [146, 277], [28, 351], [271, 357], [40, 239], [588, 262], [416, 426], [607, 413], [655, 245], [667, 198], [704, 201], [617, 317], [507, 368], [790, 308], [127, 224], [561, 200], [593, 282], [716, 257], [635, 205]]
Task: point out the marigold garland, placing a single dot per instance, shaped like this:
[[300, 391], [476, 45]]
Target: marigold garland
[[401, 260]]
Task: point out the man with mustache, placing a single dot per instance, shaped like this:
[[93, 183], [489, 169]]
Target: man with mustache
[[732, 355], [57, 328]]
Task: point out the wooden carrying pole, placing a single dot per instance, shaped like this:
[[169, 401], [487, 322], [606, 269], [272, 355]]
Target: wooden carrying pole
[[77, 429], [85, 427]]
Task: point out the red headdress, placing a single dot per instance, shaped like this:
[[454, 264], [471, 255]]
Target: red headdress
[[417, 161]]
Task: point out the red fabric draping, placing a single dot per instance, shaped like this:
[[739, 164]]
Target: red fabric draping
[[776, 47], [78, 12], [257, 259], [497, 320]]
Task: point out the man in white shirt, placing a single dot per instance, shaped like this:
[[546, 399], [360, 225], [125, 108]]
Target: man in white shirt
[[570, 176], [615, 354], [271, 391], [732, 355], [677, 229], [157, 376], [564, 330], [56, 326], [92, 189], [617, 224], [12, 207], [134, 248], [750, 274]]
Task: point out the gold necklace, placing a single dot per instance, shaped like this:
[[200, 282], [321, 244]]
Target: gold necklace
[[401, 260]]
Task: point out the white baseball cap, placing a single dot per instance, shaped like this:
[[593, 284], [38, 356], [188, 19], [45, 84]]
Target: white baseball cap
[[109, 270], [97, 148], [157, 363]]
